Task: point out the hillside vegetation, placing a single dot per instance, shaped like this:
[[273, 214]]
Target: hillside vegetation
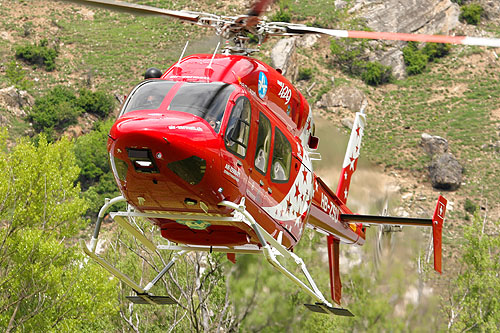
[[74, 64]]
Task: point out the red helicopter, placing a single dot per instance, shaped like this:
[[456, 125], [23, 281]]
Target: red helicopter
[[217, 152]]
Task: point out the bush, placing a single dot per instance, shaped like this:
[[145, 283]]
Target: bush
[[376, 74], [351, 57], [55, 111], [99, 103], [471, 13], [415, 59], [436, 50], [60, 108], [17, 76], [470, 206], [281, 16], [305, 74], [38, 54]]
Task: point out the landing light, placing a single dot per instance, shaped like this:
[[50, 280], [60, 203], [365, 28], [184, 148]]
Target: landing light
[[144, 163], [142, 160]]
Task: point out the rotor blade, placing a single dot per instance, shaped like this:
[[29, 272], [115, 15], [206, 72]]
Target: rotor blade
[[479, 41], [138, 9], [259, 7]]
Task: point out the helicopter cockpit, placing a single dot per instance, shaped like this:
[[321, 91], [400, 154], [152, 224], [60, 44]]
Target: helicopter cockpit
[[205, 100]]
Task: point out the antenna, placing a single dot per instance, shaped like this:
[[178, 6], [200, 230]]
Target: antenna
[[209, 70], [183, 51], [177, 67]]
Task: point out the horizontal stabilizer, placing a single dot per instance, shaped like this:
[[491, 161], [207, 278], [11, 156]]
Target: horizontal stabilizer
[[386, 220], [322, 308], [436, 223], [150, 299]]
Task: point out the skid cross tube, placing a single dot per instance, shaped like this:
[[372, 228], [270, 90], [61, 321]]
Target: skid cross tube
[[270, 245]]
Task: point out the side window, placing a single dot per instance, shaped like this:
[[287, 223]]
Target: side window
[[282, 158], [263, 144], [238, 127]]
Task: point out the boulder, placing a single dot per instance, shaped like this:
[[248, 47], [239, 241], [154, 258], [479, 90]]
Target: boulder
[[347, 122], [445, 172], [307, 41], [433, 145], [345, 97], [283, 57]]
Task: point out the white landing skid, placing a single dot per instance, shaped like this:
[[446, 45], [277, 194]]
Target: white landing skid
[[271, 248]]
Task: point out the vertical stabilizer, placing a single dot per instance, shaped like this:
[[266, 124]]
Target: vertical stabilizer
[[437, 230], [351, 156]]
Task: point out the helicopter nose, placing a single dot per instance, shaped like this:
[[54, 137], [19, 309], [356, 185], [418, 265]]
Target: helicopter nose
[[180, 143]]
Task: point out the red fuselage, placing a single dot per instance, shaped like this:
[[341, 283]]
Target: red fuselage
[[217, 129]]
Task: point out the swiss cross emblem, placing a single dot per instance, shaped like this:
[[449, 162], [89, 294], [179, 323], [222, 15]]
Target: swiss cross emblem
[[441, 210]]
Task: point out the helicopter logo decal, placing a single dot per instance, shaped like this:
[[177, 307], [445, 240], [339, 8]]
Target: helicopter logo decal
[[262, 89]]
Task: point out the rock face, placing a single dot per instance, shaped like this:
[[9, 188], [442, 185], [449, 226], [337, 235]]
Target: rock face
[[16, 100], [420, 16], [445, 172], [410, 16]]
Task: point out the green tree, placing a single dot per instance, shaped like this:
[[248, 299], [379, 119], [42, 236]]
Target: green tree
[[473, 304], [45, 283], [95, 176]]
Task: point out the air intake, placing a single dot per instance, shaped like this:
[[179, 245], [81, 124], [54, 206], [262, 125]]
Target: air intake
[[191, 169]]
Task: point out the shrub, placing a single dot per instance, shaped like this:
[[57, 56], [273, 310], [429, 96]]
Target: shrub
[[55, 111], [351, 57], [415, 59], [60, 108], [38, 54], [471, 13], [305, 74], [96, 178], [99, 103], [436, 50], [281, 16], [470, 206], [17, 76], [376, 74]]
